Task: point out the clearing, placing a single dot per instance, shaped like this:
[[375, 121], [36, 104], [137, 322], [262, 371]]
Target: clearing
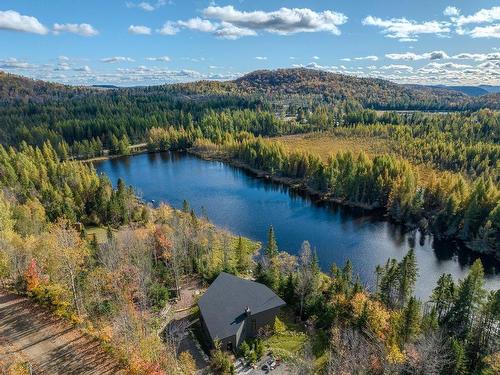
[[325, 144], [29, 333]]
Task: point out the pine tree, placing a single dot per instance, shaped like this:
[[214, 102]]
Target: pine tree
[[408, 274], [185, 206], [443, 295], [459, 360], [272, 246], [470, 295], [411, 317], [241, 258]]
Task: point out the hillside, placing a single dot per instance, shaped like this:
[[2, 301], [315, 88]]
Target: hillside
[[332, 87], [282, 86], [18, 88], [468, 90]]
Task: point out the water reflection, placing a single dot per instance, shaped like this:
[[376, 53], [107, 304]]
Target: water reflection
[[232, 198]]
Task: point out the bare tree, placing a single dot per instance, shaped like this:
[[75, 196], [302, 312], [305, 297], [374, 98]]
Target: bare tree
[[72, 253], [354, 352], [305, 278], [428, 355]]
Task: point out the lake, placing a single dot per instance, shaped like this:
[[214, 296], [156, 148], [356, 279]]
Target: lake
[[247, 206]]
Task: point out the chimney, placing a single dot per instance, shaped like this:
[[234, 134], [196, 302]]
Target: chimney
[[248, 312]]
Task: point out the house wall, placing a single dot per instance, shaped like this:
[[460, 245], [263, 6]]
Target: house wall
[[250, 330], [229, 340], [247, 328]]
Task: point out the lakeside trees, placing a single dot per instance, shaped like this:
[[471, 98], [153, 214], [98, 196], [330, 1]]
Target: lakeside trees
[[447, 205], [390, 332], [117, 284]]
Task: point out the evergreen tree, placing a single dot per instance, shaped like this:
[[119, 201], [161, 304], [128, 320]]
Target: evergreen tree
[[185, 206], [272, 246], [443, 295], [458, 364], [470, 295], [241, 257], [410, 320], [408, 274]]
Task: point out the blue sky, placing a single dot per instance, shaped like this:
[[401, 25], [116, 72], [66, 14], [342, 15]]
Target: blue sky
[[156, 41]]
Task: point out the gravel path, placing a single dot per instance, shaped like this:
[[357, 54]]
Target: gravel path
[[51, 345]]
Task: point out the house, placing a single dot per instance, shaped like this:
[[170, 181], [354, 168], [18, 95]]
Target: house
[[234, 309]]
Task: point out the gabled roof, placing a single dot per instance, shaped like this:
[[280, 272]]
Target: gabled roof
[[223, 304]]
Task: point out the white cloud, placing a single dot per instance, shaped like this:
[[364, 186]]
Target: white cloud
[[260, 58], [84, 68], [13, 63], [12, 20], [406, 30], [160, 58], [116, 59], [147, 6], [370, 58], [232, 32], [451, 11], [491, 31], [83, 29], [315, 57], [448, 65], [169, 28], [477, 56], [139, 30], [396, 67], [410, 56], [283, 21], [481, 16], [198, 24], [229, 23]]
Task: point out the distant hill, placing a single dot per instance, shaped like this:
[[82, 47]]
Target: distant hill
[[467, 90], [284, 86], [14, 87], [369, 91], [105, 86], [490, 88], [331, 87]]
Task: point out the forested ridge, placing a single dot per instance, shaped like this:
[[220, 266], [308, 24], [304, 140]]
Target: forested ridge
[[52, 207], [459, 198]]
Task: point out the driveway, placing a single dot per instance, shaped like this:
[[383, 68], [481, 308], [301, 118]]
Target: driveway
[[52, 346]]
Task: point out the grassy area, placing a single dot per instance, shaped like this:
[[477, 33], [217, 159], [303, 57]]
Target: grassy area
[[100, 233], [324, 145], [287, 345], [290, 342]]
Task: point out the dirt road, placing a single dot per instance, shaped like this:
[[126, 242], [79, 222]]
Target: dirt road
[[52, 346]]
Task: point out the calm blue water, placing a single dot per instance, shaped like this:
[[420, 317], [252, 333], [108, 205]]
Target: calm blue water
[[246, 205]]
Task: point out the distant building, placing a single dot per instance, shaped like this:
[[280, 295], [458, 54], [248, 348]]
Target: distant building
[[234, 309]]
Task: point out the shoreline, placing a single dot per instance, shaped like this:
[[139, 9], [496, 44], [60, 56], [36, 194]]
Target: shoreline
[[292, 183], [114, 156]]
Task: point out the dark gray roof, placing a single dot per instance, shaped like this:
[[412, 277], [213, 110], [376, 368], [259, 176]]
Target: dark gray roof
[[223, 304]]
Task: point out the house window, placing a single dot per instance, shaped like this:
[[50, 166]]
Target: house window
[[254, 326], [230, 346]]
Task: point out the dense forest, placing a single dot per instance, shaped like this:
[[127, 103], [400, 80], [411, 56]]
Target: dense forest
[[116, 286], [36, 111], [447, 205], [460, 198]]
